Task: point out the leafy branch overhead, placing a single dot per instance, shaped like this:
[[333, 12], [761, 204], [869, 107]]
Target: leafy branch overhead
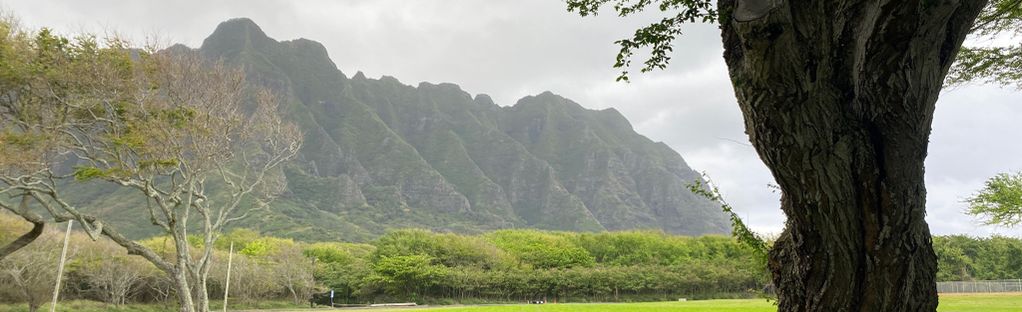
[[659, 36], [1001, 19], [1000, 64]]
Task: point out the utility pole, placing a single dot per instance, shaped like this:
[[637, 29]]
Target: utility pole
[[227, 284], [60, 268]]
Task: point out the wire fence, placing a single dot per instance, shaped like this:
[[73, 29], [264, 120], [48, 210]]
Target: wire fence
[[991, 286]]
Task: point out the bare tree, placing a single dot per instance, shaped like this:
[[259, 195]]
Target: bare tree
[[294, 270], [166, 125], [250, 279], [161, 286], [112, 276]]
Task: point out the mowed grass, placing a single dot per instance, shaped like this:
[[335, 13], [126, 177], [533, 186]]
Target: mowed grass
[[688, 306], [948, 303], [994, 302]]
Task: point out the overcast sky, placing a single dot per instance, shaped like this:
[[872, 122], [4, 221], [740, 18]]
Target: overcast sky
[[513, 48]]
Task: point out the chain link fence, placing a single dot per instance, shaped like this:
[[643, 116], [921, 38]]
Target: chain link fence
[[991, 286]]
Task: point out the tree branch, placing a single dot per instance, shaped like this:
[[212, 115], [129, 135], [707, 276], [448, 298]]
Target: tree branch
[[37, 227]]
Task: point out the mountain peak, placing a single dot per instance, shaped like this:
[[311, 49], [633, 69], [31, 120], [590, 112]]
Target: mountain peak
[[179, 49], [236, 33], [484, 99], [548, 100], [242, 24]]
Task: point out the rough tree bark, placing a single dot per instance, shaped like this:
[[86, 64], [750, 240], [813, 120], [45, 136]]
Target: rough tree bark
[[838, 99]]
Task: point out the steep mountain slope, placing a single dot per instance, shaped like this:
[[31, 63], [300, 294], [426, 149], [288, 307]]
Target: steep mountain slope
[[380, 154]]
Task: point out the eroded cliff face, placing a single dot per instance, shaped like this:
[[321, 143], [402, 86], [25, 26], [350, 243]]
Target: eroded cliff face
[[380, 154]]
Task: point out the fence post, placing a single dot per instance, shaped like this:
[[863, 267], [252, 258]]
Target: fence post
[[227, 283], [60, 269]]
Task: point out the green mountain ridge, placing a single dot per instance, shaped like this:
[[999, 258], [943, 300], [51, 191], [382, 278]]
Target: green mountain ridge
[[380, 154]]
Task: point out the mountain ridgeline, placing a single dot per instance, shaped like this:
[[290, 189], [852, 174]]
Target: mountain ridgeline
[[380, 155]]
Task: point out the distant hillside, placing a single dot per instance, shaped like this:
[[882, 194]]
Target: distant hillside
[[380, 154]]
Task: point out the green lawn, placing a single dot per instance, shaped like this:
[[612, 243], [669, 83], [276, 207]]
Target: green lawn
[[948, 303], [981, 302], [689, 306]]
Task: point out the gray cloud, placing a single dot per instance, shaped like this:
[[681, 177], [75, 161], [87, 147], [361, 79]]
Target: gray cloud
[[510, 49]]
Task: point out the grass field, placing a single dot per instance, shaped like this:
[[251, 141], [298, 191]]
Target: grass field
[[1008, 302], [948, 303]]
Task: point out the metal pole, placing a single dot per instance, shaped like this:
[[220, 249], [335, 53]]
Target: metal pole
[[227, 285], [60, 268]]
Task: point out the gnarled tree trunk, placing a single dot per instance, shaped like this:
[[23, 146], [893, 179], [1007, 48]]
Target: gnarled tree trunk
[[838, 98]]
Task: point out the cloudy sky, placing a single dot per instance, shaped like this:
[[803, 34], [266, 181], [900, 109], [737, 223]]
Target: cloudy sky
[[513, 48]]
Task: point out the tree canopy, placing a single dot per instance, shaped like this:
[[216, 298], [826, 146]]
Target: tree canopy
[[1000, 200], [990, 60], [188, 136], [994, 54]]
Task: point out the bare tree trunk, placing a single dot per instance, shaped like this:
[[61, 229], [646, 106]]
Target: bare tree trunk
[[838, 99], [294, 295], [201, 294], [184, 291], [181, 273]]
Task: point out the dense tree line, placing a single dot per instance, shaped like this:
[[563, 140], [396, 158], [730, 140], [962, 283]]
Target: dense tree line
[[519, 265], [423, 266], [964, 258]]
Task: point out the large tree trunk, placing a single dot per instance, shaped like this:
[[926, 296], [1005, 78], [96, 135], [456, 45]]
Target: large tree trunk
[[838, 98]]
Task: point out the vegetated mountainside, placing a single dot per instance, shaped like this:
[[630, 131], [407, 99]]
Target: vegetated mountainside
[[380, 154]]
